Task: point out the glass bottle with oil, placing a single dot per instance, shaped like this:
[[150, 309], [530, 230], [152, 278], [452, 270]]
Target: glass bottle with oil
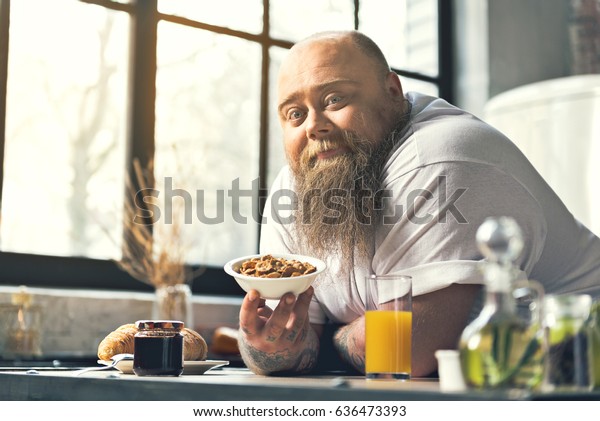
[[504, 346]]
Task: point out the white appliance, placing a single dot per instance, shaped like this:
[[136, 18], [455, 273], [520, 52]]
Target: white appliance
[[556, 123]]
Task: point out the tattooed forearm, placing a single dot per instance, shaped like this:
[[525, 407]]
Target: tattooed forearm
[[284, 361], [349, 341]]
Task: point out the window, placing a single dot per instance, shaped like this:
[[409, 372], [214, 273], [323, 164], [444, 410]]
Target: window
[[65, 117], [87, 87]]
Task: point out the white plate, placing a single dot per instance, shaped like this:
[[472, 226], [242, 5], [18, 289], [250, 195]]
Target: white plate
[[189, 367]]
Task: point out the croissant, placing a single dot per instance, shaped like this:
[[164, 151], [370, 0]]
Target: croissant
[[121, 341]]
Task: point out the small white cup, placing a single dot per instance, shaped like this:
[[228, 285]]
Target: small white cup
[[451, 377]]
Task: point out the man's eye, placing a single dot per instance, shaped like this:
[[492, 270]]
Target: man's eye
[[334, 99], [294, 114]]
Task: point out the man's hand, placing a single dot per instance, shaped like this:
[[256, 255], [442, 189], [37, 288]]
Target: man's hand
[[278, 341]]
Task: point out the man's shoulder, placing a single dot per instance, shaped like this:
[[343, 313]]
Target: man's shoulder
[[441, 126], [441, 133]]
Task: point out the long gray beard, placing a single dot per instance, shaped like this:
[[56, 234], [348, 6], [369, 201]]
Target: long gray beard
[[339, 199]]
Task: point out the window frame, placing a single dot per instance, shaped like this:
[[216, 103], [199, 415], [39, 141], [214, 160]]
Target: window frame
[[88, 273]]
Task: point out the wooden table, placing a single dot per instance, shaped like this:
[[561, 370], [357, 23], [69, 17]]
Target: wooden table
[[237, 384]]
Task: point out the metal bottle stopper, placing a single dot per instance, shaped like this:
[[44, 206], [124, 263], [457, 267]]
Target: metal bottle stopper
[[500, 240]]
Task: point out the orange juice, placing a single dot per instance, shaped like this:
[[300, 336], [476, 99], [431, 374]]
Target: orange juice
[[388, 341]]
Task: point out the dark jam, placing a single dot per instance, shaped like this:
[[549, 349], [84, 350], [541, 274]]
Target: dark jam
[[158, 352]]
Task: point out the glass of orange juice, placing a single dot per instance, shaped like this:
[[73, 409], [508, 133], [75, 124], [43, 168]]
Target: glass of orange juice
[[388, 327]]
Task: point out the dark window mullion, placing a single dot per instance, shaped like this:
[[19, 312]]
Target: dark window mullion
[[142, 88], [109, 4], [417, 76], [445, 51], [4, 33], [264, 110], [262, 38]]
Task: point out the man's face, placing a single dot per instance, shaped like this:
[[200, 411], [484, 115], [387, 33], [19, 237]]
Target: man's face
[[327, 87], [337, 111]]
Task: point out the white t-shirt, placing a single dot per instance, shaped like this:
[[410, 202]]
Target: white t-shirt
[[454, 171]]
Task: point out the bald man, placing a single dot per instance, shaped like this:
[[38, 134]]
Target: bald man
[[386, 182]]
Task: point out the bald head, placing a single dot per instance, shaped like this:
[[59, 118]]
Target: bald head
[[354, 39], [353, 42]]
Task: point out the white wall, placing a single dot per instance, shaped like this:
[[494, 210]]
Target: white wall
[[502, 44]]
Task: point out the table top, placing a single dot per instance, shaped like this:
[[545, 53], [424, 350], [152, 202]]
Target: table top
[[230, 384]]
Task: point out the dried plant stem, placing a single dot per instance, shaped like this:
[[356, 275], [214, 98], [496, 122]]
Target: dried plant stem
[[153, 251]]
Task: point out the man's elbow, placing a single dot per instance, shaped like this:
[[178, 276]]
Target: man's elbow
[[423, 366]]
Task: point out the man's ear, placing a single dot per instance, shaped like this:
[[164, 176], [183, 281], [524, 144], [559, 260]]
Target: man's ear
[[393, 85]]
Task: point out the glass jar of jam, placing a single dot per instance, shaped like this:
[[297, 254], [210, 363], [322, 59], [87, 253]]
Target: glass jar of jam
[[158, 348]]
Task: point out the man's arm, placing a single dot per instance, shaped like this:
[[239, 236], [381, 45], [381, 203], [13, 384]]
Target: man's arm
[[438, 321], [349, 342], [279, 341]]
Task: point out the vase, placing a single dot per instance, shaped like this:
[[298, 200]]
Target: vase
[[173, 302]]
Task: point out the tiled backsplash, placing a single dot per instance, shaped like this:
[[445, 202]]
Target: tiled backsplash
[[75, 321]]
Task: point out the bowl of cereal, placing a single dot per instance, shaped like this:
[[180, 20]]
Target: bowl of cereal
[[273, 275]]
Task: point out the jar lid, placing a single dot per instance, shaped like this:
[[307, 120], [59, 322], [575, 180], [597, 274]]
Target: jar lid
[[159, 324]]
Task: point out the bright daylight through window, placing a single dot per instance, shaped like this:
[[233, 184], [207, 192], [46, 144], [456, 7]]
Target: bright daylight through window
[[215, 143]]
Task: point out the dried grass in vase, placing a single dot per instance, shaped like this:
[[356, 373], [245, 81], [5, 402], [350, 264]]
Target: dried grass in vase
[[152, 252]]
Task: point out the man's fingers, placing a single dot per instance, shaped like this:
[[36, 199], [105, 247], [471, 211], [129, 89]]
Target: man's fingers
[[264, 312], [285, 322], [249, 318], [275, 327], [305, 297], [299, 316]]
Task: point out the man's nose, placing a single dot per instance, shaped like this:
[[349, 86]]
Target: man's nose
[[318, 126]]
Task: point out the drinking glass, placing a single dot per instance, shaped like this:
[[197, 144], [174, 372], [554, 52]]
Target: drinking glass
[[569, 360], [388, 327]]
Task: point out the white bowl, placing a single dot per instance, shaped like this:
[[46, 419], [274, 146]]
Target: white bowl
[[275, 288]]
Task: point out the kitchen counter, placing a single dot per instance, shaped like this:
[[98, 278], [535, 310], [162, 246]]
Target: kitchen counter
[[236, 384]]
